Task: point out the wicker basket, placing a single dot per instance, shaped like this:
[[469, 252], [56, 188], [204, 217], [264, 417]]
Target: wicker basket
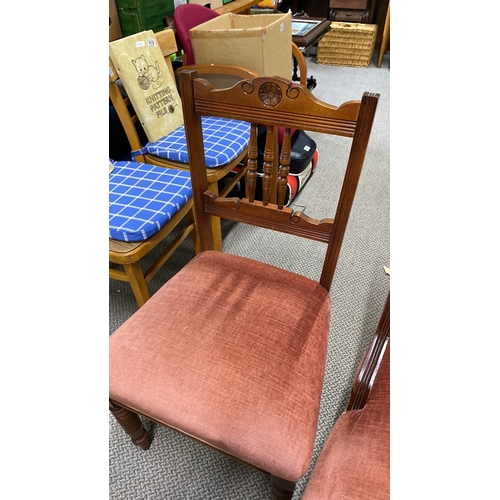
[[348, 44]]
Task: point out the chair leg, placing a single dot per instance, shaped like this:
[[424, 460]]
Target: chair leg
[[137, 282], [131, 424], [215, 221], [281, 489], [194, 232]]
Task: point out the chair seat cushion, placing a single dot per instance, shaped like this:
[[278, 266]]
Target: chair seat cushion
[[224, 140], [143, 198], [230, 351], [355, 461]]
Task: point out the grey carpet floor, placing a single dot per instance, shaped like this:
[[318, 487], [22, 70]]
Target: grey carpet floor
[[177, 468]]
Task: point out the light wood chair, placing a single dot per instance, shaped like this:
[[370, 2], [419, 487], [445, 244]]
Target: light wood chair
[[301, 65], [231, 351], [130, 122], [130, 256], [385, 36]]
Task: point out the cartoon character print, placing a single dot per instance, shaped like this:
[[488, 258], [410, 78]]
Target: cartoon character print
[[148, 74]]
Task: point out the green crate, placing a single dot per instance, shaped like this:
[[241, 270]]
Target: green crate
[[142, 15]]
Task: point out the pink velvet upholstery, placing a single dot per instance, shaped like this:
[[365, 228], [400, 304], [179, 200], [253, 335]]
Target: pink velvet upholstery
[[354, 463], [251, 383], [187, 16]]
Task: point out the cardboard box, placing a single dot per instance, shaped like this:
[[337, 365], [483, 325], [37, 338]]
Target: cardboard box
[[115, 30], [262, 43]]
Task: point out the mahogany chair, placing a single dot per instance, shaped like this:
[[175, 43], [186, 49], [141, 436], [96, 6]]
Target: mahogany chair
[[355, 460], [231, 351], [157, 153]]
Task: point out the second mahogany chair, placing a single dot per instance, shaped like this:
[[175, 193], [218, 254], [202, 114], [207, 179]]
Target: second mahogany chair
[[231, 351], [354, 463]]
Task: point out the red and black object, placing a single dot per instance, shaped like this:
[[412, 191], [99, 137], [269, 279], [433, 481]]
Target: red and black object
[[303, 161]]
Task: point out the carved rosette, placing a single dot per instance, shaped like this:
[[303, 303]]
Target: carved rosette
[[270, 94]]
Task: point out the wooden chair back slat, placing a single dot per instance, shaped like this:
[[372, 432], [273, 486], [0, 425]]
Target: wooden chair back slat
[[284, 167], [253, 153]]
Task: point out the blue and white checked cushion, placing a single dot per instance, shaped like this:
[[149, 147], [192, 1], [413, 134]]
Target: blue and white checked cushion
[[224, 140], [143, 198]]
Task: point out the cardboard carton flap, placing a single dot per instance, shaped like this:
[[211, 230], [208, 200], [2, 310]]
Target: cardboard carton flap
[[223, 33], [253, 25]]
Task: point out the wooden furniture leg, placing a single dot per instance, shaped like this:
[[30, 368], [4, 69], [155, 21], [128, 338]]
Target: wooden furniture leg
[[131, 424], [194, 234], [216, 225], [281, 489], [385, 36], [137, 282]]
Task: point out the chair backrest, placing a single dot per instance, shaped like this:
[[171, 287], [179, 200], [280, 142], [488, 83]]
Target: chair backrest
[[187, 16], [274, 102], [220, 75]]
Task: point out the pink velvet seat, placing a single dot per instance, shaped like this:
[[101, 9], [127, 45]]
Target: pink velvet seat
[[243, 372], [355, 461]]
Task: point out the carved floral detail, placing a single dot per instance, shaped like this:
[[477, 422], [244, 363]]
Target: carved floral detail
[[270, 94]]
